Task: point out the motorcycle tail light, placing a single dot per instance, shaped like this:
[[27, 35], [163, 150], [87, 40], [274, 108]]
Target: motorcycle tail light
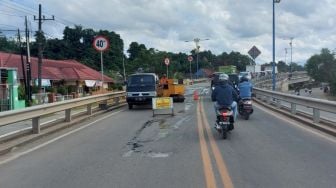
[[225, 114]]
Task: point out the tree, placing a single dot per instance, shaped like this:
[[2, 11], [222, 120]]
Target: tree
[[322, 67], [282, 67]]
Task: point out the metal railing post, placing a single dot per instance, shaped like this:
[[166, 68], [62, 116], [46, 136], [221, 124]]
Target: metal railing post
[[36, 125], [89, 109], [68, 115], [278, 103], [293, 108], [316, 115]]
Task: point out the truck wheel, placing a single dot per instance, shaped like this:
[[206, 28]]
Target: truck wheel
[[130, 106]]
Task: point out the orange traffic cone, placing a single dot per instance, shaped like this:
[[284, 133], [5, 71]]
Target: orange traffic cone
[[196, 95]]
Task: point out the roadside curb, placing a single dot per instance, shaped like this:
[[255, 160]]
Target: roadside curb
[[324, 128], [26, 137]]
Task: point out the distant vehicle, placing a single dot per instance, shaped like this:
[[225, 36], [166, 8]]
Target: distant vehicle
[[141, 88], [233, 80], [228, 69], [247, 74], [253, 68]]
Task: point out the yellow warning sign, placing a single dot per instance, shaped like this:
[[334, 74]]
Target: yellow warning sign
[[162, 103]]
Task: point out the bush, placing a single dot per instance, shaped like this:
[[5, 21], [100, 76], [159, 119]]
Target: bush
[[72, 89], [35, 89], [117, 87], [62, 90], [21, 93], [178, 75]]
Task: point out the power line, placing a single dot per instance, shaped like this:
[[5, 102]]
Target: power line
[[8, 14], [17, 9], [17, 6], [31, 11]]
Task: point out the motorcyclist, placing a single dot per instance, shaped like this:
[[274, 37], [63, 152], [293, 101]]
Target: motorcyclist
[[245, 88], [225, 95]]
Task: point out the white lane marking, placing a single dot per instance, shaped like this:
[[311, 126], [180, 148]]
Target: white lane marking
[[283, 118], [55, 139]]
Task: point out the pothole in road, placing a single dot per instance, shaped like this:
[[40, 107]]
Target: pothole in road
[[151, 131]]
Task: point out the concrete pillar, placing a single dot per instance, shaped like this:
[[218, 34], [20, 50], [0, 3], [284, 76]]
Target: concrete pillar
[[68, 115], [36, 125], [89, 109], [293, 108], [316, 115], [278, 103]]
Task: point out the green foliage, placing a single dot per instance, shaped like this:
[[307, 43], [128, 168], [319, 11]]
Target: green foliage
[[35, 89], [62, 90], [282, 67], [71, 89], [178, 75], [333, 87], [322, 67], [21, 92], [234, 58], [117, 87]]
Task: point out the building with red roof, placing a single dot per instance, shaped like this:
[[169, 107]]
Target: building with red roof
[[55, 70]]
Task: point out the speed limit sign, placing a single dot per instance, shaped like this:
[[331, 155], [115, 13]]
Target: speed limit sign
[[190, 58], [101, 43], [166, 61]]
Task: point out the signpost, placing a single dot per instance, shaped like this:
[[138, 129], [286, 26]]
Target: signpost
[[162, 103], [254, 52], [101, 44], [167, 61], [190, 59]]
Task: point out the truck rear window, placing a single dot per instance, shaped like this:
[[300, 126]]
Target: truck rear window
[[141, 80]]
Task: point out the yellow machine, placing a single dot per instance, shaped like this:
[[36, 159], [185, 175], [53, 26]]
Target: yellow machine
[[172, 89]]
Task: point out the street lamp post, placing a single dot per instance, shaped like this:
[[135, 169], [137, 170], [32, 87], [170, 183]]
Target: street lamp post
[[273, 62], [197, 40], [291, 48], [286, 56]]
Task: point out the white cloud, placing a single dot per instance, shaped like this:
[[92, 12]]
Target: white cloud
[[230, 24]]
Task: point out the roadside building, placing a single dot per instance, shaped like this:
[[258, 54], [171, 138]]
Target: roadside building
[[59, 74]]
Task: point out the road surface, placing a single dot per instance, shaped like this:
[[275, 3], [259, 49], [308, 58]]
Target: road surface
[[130, 148]]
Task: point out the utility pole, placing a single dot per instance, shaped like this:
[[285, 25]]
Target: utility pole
[[28, 65], [39, 43], [22, 63]]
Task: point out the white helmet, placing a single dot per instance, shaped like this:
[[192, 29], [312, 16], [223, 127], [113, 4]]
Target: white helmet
[[223, 77]]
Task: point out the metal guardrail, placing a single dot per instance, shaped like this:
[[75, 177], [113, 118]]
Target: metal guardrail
[[316, 104], [36, 112]]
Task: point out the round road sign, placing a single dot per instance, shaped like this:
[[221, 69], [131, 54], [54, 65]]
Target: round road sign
[[166, 61], [101, 43], [190, 58]]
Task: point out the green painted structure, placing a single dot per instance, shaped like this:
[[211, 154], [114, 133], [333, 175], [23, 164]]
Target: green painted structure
[[12, 95]]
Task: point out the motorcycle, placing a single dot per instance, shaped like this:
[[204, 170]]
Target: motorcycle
[[224, 122], [245, 108]]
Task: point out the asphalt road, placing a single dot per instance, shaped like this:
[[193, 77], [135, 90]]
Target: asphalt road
[[133, 149]]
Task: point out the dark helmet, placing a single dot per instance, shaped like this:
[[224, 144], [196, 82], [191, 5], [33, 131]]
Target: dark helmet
[[243, 79]]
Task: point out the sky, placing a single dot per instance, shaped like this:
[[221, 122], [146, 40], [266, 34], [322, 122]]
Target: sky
[[230, 25]]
